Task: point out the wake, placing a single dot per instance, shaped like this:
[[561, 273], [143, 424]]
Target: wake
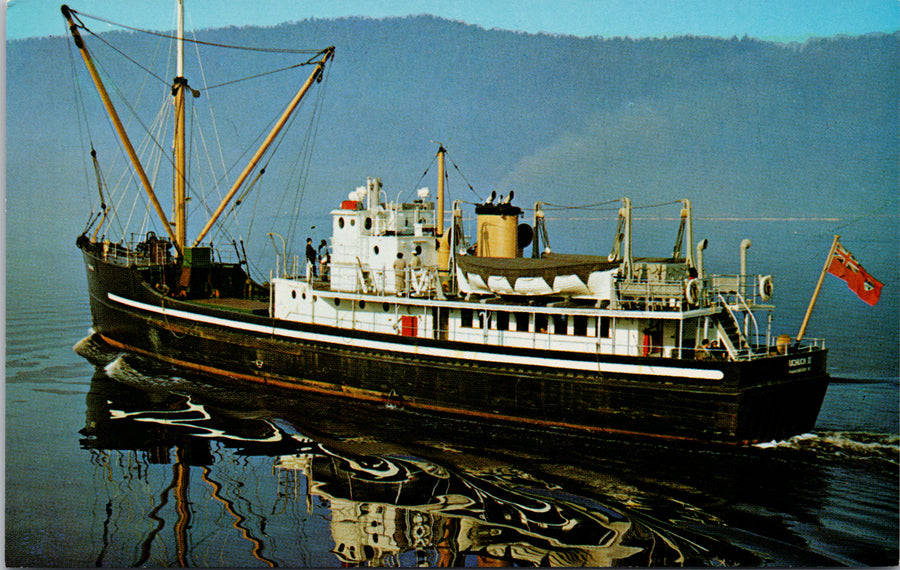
[[848, 445]]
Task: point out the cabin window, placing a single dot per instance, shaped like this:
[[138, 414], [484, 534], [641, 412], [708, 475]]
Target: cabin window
[[385, 307], [375, 249], [418, 250], [352, 222], [540, 323], [579, 325], [293, 293], [337, 302], [362, 304], [368, 223], [465, 318], [605, 328], [502, 321], [522, 321], [341, 223], [560, 324]]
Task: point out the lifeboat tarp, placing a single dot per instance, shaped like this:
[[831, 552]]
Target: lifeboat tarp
[[548, 267]]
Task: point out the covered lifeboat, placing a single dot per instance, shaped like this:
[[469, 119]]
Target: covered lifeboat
[[496, 265]]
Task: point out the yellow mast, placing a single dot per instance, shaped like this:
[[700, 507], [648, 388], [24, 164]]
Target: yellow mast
[[111, 110], [443, 239], [440, 212], [315, 75]]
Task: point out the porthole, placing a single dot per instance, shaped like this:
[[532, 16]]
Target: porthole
[[341, 223], [362, 304], [368, 223], [304, 295], [385, 307], [293, 294], [352, 222], [418, 250], [375, 249], [337, 302]]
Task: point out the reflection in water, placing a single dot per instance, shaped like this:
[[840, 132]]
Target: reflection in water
[[196, 476]]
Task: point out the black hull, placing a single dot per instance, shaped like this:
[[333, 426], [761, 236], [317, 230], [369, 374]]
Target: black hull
[[757, 400]]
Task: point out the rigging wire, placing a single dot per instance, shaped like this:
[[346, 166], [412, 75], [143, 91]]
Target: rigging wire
[[556, 207], [126, 56], [257, 76], [464, 178], [421, 178], [163, 81], [196, 41], [80, 110], [309, 145], [863, 216], [155, 142]]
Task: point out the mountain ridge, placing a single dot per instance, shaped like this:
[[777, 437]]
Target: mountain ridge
[[748, 125]]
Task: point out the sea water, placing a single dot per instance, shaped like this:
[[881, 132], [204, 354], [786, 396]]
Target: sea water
[[112, 460]]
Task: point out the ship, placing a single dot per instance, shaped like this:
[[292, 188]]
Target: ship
[[407, 309]]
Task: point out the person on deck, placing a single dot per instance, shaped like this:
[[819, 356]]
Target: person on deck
[[324, 259], [415, 264], [702, 351], [311, 258], [400, 274]]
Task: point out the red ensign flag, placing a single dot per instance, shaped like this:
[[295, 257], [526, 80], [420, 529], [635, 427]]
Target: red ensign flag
[[843, 265]]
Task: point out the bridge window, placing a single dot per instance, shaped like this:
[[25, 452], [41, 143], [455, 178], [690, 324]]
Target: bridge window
[[540, 323], [560, 324], [605, 328], [579, 325], [502, 321], [522, 321]]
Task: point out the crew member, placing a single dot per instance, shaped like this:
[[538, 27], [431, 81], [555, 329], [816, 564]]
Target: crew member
[[311, 258], [400, 274]]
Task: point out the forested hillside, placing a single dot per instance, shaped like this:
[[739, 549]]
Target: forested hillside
[[749, 127]]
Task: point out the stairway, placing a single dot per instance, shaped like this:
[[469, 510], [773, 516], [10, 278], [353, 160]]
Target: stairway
[[728, 333]]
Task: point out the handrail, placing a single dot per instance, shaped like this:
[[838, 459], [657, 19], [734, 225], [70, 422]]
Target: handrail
[[750, 314], [361, 276], [724, 302]]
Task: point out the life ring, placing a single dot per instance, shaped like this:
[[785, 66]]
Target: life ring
[[766, 287], [692, 291]]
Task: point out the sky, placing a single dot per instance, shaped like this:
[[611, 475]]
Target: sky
[[774, 20]]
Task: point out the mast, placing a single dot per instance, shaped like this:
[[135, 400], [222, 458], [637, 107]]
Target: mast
[[178, 88], [326, 54], [443, 238], [625, 212], [440, 212], [120, 129]]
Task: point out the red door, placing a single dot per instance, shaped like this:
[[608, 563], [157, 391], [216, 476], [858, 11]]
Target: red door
[[408, 325]]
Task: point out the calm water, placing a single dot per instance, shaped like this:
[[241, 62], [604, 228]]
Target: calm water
[[113, 461]]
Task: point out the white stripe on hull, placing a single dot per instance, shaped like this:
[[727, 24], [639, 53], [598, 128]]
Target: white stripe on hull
[[444, 353]]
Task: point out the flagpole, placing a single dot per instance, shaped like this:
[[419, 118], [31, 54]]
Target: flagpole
[[815, 294]]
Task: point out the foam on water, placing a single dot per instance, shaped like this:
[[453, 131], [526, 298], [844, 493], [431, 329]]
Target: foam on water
[[93, 351], [121, 370], [843, 445]]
